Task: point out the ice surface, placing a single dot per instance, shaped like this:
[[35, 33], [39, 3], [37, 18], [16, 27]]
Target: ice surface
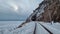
[[29, 28], [9, 29]]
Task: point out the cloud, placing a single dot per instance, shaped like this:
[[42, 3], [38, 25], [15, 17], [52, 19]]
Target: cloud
[[19, 7]]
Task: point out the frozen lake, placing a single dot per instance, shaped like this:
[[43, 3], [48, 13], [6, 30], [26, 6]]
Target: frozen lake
[[7, 27], [10, 22]]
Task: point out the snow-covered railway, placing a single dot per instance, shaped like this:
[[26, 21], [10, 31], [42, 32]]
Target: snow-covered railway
[[31, 28]]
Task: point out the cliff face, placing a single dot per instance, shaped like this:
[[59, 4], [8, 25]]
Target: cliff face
[[51, 11], [48, 10]]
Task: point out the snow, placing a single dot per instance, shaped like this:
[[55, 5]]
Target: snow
[[28, 28], [54, 28], [40, 30], [9, 29]]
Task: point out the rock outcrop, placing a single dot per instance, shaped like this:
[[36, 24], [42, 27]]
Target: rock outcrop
[[48, 10]]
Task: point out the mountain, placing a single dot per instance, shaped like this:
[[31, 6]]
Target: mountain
[[48, 10]]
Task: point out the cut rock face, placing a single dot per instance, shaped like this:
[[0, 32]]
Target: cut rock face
[[48, 10]]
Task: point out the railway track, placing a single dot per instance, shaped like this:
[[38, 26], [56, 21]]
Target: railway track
[[43, 27], [46, 29]]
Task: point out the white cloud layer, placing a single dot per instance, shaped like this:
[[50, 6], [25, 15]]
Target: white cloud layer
[[20, 7]]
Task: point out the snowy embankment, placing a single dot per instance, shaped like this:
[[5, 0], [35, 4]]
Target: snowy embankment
[[30, 28], [54, 28]]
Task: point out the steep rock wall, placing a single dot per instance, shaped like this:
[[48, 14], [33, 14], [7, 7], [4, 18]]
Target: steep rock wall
[[48, 10]]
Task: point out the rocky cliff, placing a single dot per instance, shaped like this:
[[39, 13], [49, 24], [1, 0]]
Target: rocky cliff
[[48, 10]]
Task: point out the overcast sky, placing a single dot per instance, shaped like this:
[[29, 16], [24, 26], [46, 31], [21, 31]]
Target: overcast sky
[[17, 9]]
